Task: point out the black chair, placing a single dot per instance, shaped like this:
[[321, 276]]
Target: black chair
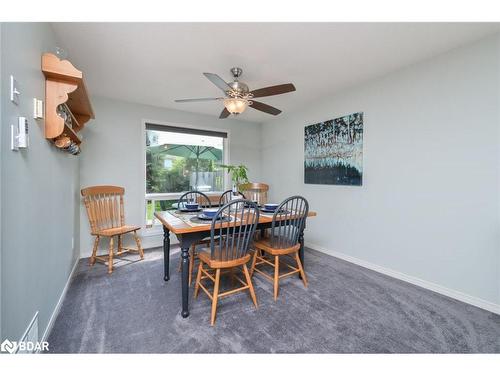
[[204, 202], [194, 196], [288, 222], [226, 197], [229, 249]]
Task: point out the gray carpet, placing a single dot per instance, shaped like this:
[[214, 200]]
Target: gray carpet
[[346, 309]]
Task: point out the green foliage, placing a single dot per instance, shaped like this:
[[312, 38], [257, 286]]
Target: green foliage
[[176, 178], [238, 173], [162, 205], [159, 179]]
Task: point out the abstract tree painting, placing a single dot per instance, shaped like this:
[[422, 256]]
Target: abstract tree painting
[[334, 151]]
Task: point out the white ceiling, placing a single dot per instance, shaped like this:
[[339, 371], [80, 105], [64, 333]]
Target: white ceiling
[[155, 63]]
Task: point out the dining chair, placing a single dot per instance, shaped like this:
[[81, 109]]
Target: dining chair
[[105, 211], [229, 249], [204, 201], [288, 222], [255, 191], [226, 197], [194, 196]]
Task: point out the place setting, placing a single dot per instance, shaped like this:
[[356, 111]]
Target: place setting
[[189, 207], [270, 208], [207, 215]]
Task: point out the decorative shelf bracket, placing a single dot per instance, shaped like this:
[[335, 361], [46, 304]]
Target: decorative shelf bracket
[[56, 94], [64, 85]]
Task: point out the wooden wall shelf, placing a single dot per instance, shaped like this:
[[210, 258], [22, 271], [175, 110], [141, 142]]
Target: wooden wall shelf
[[64, 84]]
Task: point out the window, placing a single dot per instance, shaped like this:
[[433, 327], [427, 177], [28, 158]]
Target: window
[[178, 160]]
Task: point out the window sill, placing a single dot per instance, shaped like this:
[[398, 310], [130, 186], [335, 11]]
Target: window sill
[[168, 196]]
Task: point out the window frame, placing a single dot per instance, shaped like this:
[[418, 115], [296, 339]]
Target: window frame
[[157, 229]]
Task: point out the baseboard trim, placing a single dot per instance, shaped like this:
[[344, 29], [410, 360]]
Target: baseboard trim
[[57, 308], [462, 297]]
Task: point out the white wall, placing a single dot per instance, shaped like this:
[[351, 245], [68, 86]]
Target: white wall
[[113, 153], [429, 204], [39, 201], [1, 105]]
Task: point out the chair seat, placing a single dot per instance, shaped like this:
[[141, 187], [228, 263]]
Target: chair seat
[[116, 231], [206, 258], [265, 245]]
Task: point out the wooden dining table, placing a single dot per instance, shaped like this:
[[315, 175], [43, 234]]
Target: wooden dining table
[[188, 234]]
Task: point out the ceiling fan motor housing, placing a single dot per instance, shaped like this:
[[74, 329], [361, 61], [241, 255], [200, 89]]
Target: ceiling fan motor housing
[[239, 88], [238, 96]]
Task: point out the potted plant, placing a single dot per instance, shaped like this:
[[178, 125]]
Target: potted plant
[[238, 175]]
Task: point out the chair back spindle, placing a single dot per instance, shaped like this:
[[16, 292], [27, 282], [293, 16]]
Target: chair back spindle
[[288, 222], [104, 206], [194, 196], [226, 197], [231, 239]]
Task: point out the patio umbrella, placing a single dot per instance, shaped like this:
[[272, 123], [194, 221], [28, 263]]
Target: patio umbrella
[[192, 152]]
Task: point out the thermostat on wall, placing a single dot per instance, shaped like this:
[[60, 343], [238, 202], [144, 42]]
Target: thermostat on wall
[[19, 134]]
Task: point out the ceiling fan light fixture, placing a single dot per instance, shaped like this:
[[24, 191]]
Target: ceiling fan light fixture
[[238, 97], [235, 105]]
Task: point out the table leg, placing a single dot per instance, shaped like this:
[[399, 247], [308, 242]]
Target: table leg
[[301, 250], [166, 253], [185, 280]]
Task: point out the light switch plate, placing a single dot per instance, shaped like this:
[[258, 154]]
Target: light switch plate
[[13, 137], [14, 90]]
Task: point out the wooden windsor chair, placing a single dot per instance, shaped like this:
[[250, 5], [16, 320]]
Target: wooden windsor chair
[[105, 211], [229, 249], [288, 222], [204, 201], [255, 191]]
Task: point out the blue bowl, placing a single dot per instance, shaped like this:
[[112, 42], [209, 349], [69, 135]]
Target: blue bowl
[[192, 206], [210, 212], [271, 206]]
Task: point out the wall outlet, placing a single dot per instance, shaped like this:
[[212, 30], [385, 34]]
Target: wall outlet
[[37, 108]]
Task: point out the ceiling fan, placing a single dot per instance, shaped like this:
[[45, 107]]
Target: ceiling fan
[[237, 96]]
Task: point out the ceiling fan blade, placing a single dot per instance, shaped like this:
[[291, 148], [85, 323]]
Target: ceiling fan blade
[[218, 81], [265, 108], [273, 90], [196, 100], [225, 113]]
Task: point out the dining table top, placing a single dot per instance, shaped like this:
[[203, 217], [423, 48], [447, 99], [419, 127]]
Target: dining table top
[[178, 224]]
